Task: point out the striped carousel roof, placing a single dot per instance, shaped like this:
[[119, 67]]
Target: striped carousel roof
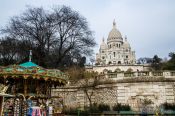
[[30, 69]]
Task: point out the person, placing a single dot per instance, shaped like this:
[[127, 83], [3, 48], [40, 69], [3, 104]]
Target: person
[[158, 113], [144, 113]]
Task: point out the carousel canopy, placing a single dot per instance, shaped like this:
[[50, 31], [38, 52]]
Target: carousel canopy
[[32, 70], [28, 64]]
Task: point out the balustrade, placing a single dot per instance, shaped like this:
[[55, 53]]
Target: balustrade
[[139, 74], [172, 73]]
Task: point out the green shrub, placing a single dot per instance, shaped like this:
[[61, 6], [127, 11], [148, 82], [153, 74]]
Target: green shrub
[[119, 107], [169, 106], [103, 107], [94, 108], [125, 108], [70, 110]]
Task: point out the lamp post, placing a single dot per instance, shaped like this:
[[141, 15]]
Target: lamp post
[[75, 61]]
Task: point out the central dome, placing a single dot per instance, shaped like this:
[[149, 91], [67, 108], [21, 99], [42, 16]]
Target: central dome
[[114, 33]]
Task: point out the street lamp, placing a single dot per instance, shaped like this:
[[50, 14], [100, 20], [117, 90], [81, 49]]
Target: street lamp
[[75, 61]]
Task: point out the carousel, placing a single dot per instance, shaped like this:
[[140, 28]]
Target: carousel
[[25, 89]]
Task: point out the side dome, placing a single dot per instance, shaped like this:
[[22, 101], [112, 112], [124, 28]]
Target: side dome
[[115, 34], [103, 44], [126, 44]]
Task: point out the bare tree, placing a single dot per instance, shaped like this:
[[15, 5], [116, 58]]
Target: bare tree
[[34, 27], [91, 82], [73, 34], [88, 82], [85, 81], [54, 35], [8, 51]]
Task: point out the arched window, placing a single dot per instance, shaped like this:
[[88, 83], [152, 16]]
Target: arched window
[[114, 54], [129, 70], [105, 70], [109, 62], [117, 70], [119, 45]]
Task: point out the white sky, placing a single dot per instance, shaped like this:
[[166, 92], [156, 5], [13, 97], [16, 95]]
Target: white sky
[[148, 24]]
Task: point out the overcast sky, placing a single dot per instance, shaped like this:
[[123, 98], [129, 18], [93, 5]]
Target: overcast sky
[[148, 24]]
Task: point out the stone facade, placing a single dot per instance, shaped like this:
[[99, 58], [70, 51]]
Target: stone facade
[[129, 88], [113, 68], [116, 51], [134, 93], [116, 54]]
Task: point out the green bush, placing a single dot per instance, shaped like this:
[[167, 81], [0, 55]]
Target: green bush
[[169, 106], [126, 108], [70, 110], [119, 107], [94, 108], [103, 107]]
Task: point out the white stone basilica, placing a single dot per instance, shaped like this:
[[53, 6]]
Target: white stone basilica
[[116, 51], [132, 84]]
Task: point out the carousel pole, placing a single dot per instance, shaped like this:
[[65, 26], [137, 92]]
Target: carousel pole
[[1, 104], [25, 87], [37, 87], [25, 77]]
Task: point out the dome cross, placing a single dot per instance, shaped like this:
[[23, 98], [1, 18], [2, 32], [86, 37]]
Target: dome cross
[[114, 24]]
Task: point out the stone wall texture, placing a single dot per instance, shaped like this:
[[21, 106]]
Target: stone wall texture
[[130, 90]]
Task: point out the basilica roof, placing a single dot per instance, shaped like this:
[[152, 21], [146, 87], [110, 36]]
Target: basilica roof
[[114, 33]]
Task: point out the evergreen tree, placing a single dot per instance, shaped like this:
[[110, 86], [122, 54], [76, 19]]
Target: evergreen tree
[[170, 65], [156, 63]]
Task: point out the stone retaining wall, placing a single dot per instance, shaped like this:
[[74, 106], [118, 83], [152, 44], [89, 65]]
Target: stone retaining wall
[[124, 91]]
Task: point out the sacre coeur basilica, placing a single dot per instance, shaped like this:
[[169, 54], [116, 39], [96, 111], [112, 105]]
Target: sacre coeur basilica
[[116, 51], [116, 54], [134, 83]]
